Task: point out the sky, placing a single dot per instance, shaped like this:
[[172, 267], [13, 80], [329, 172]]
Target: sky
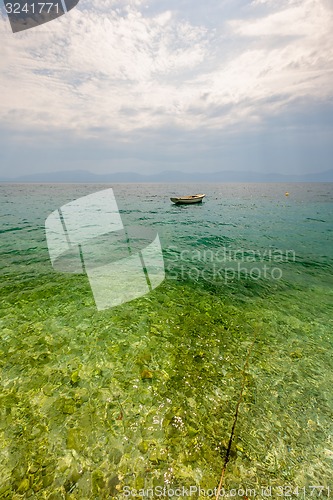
[[155, 85]]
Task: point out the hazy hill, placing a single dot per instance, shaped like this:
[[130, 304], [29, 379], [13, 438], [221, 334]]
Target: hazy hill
[[82, 176]]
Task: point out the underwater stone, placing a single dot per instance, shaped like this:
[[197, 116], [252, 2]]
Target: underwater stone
[[33, 468], [191, 431], [48, 390], [84, 485], [55, 496], [139, 483], [98, 481], [297, 354], [143, 446], [158, 481], [37, 486], [5, 491], [47, 468], [75, 378], [153, 457], [112, 485], [116, 455], [74, 476], [73, 439], [35, 432], [18, 472], [48, 480], [23, 486], [71, 480], [190, 456], [162, 455], [67, 406], [144, 357], [146, 375]]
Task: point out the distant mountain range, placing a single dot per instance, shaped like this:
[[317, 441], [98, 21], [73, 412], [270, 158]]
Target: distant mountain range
[[83, 176]]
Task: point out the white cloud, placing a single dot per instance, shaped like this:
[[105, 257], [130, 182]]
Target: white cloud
[[112, 67]]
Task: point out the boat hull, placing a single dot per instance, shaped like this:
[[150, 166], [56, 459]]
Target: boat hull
[[188, 200]]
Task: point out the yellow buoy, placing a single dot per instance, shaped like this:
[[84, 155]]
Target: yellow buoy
[[287, 194]]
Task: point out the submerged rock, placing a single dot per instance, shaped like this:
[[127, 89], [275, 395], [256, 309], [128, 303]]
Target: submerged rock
[[113, 485], [143, 446], [146, 375], [98, 481], [73, 440], [23, 486]]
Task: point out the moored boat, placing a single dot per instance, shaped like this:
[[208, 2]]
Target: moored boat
[[186, 200]]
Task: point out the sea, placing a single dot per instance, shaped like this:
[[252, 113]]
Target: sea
[[218, 382]]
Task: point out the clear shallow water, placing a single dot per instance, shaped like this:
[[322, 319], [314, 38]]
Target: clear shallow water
[[144, 395]]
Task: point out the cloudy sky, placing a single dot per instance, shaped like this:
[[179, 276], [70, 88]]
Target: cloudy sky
[[157, 85]]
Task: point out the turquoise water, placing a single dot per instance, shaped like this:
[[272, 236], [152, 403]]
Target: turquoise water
[[143, 396]]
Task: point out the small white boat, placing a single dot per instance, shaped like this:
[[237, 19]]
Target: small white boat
[[186, 200]]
